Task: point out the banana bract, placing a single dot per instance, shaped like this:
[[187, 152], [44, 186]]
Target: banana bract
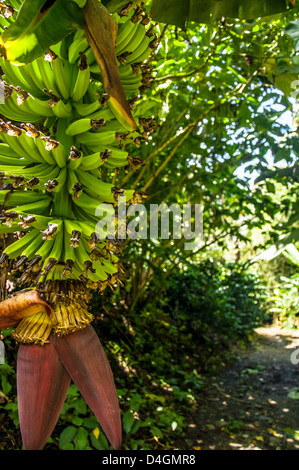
[[58, 131]]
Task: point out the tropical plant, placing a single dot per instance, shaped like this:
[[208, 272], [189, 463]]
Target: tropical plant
[[65, 118], [73, 72]]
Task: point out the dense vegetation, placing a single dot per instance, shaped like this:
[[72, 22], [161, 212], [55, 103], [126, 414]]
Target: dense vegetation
[[226, 138]]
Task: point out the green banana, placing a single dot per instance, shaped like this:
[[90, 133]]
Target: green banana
[[38, 107], [41, 221], [18, 197], [73, 184], [75, 158], [81, 83], [55, 254], [88, 204], [144, 44], [26, 72], [125, 71], [142, 57], [16, 248], [13, 142], [11, 229], [47, 76], [42, 252], [91, 60], [83, 261], [124, 35], [135, 80], [46, 154], [61, 109], [99, 189], [38, 207], [30, 250], [10, 161], [87, 229], [7, 151], [30, 148], [93, 140], [36, 75], [12, 75], [79, 45], [59, 153], [59, 181], [92, 161], [69, 255], [85, 109], [12, 110], [84, 125], [40, 170], [102, 113], [136, 40], [116, 163], [61, 77]]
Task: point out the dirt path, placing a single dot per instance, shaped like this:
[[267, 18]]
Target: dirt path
[[254, 404]]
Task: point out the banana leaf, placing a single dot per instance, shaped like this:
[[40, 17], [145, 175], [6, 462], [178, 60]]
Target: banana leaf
[[283, 246], [38, 25], [178, 12], [292, 30], [292, 254], [291, 172]]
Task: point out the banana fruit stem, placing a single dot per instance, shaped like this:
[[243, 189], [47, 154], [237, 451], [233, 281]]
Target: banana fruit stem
[[63, 205]]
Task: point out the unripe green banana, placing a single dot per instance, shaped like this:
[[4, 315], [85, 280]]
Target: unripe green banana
[[85, 109], [81, 83], [61, 77], [84, 125], [96, 139], [125, 34], [30, 250], [79, 45], [38, 106], [99, 189], [46, 154], [15, 249], [47, 76]]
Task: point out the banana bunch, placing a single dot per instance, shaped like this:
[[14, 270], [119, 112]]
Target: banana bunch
[[56, 134], [66, 130]]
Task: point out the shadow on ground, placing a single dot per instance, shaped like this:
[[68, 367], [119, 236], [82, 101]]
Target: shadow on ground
[[253, 404]]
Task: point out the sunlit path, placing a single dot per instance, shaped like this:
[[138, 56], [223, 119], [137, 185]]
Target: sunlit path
[[253, 404]]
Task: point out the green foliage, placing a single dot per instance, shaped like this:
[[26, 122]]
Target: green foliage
[[215, 301], [80, 428], [39, 25], [284, 305], [177, 12]]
